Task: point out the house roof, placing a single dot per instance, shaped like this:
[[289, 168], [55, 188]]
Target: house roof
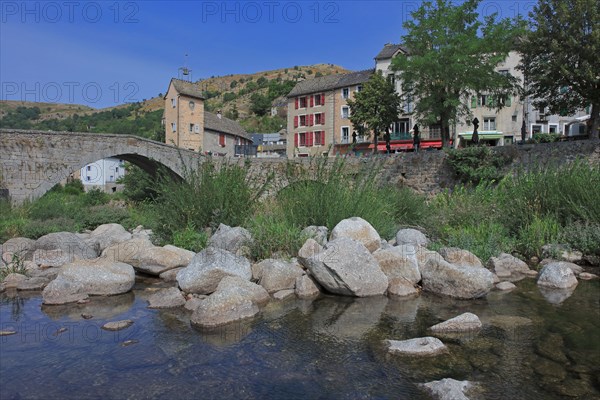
[[389, 50], [224, 125], [330, 82], [190, 89]]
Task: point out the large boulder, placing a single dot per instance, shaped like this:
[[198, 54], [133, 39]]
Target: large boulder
[[186, 255], [441, 277], [508, 266], [348, 268], [52, 258], [23, 247], [208, 267], [145, 257], [81, 278], [318, 233], [309, 249], [457, 256], [234, 299], [358, 229], [557, 275], [412, 237], [74, 247], [306, 288], [275, 275], [399, 262], [106, 235], [230, 239]]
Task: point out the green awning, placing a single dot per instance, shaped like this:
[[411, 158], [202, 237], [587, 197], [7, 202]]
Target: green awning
[[487, 135]]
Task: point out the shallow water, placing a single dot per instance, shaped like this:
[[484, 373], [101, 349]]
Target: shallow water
[[322, 349]]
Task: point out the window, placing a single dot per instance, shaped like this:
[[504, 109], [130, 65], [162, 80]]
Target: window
[[401, 126], [489, 123], [89, 167], [345, 93], [222, 141], [345, 134], [473, 101], [196, 128], [408, 104], [191, 128], [536, 129], [320, 119], [508, 140], [345, 112], [173, 126], [319, 138], [87, 178], [552, 128], [192, 105], [319, 99], [303, 120], [514, 118], [116, 169], [173, 103], [359, 88], [302, 102]]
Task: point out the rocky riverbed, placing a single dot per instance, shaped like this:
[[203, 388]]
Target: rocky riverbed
[[353, 316]]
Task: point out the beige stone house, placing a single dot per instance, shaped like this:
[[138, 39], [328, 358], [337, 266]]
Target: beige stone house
[[318, 115], [189, 126]]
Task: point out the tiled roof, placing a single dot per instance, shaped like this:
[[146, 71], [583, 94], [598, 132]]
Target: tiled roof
[[224, 125], [187, 88], [329, 82], [389, 50]]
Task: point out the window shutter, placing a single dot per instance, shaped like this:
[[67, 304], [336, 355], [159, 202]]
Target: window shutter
[[323, 137], [322, 99], [296, 120], [295, 140], [296, 101], [473, 101], [312, 119], [322, 118], [312, 101], [222, 139], [309, 139]]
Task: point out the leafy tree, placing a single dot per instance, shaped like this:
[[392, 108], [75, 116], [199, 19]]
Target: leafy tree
[[561, 59], [233, 84], [259, 104], [233, 113], [451, 55], [375, 107]]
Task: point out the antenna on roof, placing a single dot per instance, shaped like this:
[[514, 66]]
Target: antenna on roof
[[184, 72]]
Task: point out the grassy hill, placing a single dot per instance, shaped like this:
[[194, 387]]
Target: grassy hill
[[246, 98]]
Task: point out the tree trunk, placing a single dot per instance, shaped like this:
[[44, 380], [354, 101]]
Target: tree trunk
[[595, 121], [375, 141], [444, 132]]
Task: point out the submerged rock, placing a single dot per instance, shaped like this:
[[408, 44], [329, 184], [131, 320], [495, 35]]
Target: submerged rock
[[448, 389], [462, 323], [505, 286], [425, 346], [117, 325]]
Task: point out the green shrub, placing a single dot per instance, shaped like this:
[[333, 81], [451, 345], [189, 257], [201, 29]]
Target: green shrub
[[545, 138], [16, 266], [36, 228], [582, 236], [75, 186], [274, 236], [476, 164], [539, 232], [95, 197], [94, 216], [190, 239]]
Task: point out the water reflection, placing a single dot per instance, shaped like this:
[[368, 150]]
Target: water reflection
[[556, 296], [100, 307]]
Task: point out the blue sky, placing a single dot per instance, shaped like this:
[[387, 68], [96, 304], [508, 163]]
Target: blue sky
[[103, 53]]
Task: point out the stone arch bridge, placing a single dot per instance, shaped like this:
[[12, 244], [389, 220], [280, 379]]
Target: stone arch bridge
[[31, 162]]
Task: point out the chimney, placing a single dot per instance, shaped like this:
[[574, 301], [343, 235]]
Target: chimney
[[219, 114]]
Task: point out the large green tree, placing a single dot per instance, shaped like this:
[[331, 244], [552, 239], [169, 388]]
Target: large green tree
[[375, 107], [452, 54], [561, 57]]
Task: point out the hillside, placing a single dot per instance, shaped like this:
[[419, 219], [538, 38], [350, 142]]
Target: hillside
[[244, 97]]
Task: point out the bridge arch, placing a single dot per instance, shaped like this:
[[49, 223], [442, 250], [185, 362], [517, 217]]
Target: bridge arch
[[32, 162]]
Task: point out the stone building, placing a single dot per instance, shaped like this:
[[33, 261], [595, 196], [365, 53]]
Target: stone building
[[318, 121], [189, 126]]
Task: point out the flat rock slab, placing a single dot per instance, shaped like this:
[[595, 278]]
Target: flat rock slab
[[166, 298], [505, 286], [283, 294], [462, 323], [117, 325], [425, 346], [587, 276], [33, 284]]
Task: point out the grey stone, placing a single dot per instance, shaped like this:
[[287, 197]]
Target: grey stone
[[128, 252], [461, 323], [186, 255], [557, 275], [230, 239], [208, 267], [166, 298], [505, 286], [305, 287], [402, 287], [117, 325], [318, 233], [358, 229], [506, 266], [256, 293], [347, 267], [562, 252], [425, 346], [193, 303], [458, 256], [141, 233], [276, 275], [412, 237], [457, 281], [448, 389], [283, 294], [170, 275], [145, 257], [13, 280], [67, 242], [587, 276], [423, 255], [52, 258], [227, 304], [107, 235], [310, 248], [89, 277], [399, 262], [33, 284], [20, 245]]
